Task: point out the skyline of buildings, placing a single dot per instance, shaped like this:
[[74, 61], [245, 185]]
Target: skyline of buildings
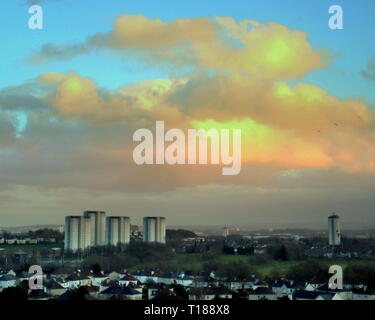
[[93, 228], [84, 231]]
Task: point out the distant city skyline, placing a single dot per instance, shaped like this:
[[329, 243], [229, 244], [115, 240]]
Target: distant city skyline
[[220, 228]]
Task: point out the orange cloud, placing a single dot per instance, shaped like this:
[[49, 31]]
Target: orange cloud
[[79, 98], [262, 50], [238, 79], [283, 126], [268, 50]]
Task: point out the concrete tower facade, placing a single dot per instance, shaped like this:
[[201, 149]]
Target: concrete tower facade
[[334, 234], [154, 229], [77, 232], [97, 227], [117, 230]]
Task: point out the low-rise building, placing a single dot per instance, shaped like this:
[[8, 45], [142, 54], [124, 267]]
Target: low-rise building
[[8, 281], [261, 293], [54, 288], [210, 293], [121, 292]]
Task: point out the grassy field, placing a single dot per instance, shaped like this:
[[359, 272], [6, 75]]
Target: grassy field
[[194, 262], [283, 266], [29, 247]]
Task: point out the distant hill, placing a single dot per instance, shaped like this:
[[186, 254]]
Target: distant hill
[[179, 234], [24, 229]]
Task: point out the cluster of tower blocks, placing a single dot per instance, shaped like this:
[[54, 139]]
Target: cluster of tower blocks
[[94, 228]]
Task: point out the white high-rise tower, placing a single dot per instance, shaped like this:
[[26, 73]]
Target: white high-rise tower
[[77, 232], [97, 227], [117, 230], [334, 234], [154, 229]]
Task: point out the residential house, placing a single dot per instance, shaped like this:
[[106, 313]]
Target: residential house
[[284, 288], [313, 285], [7, 271], [7, 281], [205, 280], [261, 293], [54, 288], [311, 295], [128, 279], [106, 283], [259, 283], [97, 279], [158, 290], [76, 280], [184, 280], [120, 292], [210, 293], [339, 294], [142, 276]]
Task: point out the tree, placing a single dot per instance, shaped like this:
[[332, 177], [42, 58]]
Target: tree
[[96, 269], [179, 234], [198, 292], [180, 291], [273, 276], [78, 294], [279, 253], [283, 253], [361, 274], [309, 270], [13, 294]]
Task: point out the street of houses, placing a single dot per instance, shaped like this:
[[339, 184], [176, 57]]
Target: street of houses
[[157, 285]]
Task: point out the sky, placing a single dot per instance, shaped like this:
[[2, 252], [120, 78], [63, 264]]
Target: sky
[[73, 94]]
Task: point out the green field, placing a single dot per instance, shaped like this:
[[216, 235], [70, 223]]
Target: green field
[[263, 269], [194, 262], [283, 266], [29, 247]]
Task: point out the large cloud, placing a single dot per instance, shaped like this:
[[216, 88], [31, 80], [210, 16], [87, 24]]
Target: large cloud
[[80, 135], [7, 132], [283, 126], [304, 150], [262, 50], [84, 138]]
